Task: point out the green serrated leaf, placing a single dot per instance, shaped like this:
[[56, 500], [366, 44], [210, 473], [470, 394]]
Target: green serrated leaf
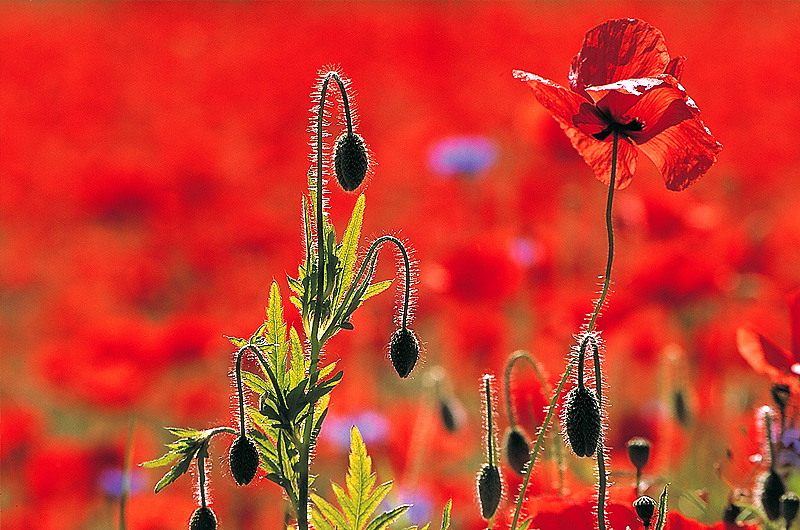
[[662, 509], [237, 341], [446, 515], [349, 247], [360, 479], [177, 470], [161, 461], [375, 498], [184, 433], [385, 519], [329, 512], [276, 334], [348, 509], [255, 383], [376, 288], [298, 367], [319, 522]]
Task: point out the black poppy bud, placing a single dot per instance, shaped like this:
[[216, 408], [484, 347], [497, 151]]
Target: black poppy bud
[[404, 350], [781, 394], [772, 489], [583, 421], [350, 161], [203, 519], [243, 459], [645, 508], [730, 513], [681, 407], [489, 490], [638, 452], [517, 450], [448, 413], [790, 504]]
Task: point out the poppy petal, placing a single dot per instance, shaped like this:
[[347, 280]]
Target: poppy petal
[[618, 49], [579, 119], [763, 355], [672, 135], [794, 313], [675, 67]]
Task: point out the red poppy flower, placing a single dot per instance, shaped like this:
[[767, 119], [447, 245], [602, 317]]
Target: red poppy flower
[[766, 357], [623, 81]]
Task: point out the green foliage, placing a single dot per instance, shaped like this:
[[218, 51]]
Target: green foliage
[[662, 510], [361, 498], [191, 444]]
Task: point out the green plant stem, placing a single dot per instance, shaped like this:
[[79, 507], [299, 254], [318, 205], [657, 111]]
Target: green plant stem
[[523, 355], [601, 448], [487, 381], [201, 471], [239, 355], [568, 370]]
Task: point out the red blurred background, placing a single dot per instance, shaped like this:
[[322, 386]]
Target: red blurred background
[[152, 161]]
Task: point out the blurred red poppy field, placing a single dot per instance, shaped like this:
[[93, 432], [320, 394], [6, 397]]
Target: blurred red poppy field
[[153, 160]]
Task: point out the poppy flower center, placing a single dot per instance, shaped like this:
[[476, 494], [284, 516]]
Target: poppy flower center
[[612, 125]]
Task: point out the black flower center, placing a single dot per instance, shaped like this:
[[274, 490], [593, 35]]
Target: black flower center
[[618, 127]]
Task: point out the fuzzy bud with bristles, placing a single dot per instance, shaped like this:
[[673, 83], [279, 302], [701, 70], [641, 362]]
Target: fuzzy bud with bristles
[[583, 421], [350, 161], [404, 351], [645, 508], [790, 505], [638, 452], [490, 490], [243, 460], [772, 489], [517, 450], [203, 518]]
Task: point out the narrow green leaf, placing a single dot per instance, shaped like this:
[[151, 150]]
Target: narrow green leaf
[[526, 524], [387, 518], [426, 527], [349, 247], [662, 509], [348, 509], [360, 479], [298, 365], [324, 388], [236, 341], [276, 334], [162, 461], [376, 288], [177, 470], [183, 433], [330, 513], [319, 522], [446, 515], [374, 499], [255, 383]]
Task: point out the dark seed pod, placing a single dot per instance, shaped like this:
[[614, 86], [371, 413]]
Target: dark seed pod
[[772, 489], [350, 161], [489, 490], [730, 513], [404, 350], [243, 459], [517, 450], [203, 518], [638, 452], [583, 421], [645, 508], [448, 415], [780, 395], [790, 505]]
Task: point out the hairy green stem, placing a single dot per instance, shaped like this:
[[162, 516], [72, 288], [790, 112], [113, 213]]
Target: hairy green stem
[[487, 380], [201, 471]]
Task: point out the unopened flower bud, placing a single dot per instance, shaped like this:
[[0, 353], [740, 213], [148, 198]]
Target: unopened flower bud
[[781, 394], [203, 519], [404, 351], [350, 161], [583, 421], [638, 452], [772, 489], [517, 450], [243, 459], [489, 490], [645, 508], [790, 505]]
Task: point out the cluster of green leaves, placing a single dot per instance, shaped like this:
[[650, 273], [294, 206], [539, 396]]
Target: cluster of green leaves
[[362, 498], [343, 290], [190, 444]]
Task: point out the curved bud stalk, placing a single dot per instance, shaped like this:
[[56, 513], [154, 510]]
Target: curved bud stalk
[[490, 489]]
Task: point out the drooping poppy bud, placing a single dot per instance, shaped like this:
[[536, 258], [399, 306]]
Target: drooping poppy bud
[[645, 508], [203, 518], [730, 513], [638, 452], [451, 412], [490, 490], [517, 450], [790, 505], [350, 161], [772, 489], [404, 351], [243, 459], [583, 421]]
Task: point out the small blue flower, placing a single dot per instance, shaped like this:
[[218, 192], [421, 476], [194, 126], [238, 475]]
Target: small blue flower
[[462, 155], [112, 479], [372, 426]]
